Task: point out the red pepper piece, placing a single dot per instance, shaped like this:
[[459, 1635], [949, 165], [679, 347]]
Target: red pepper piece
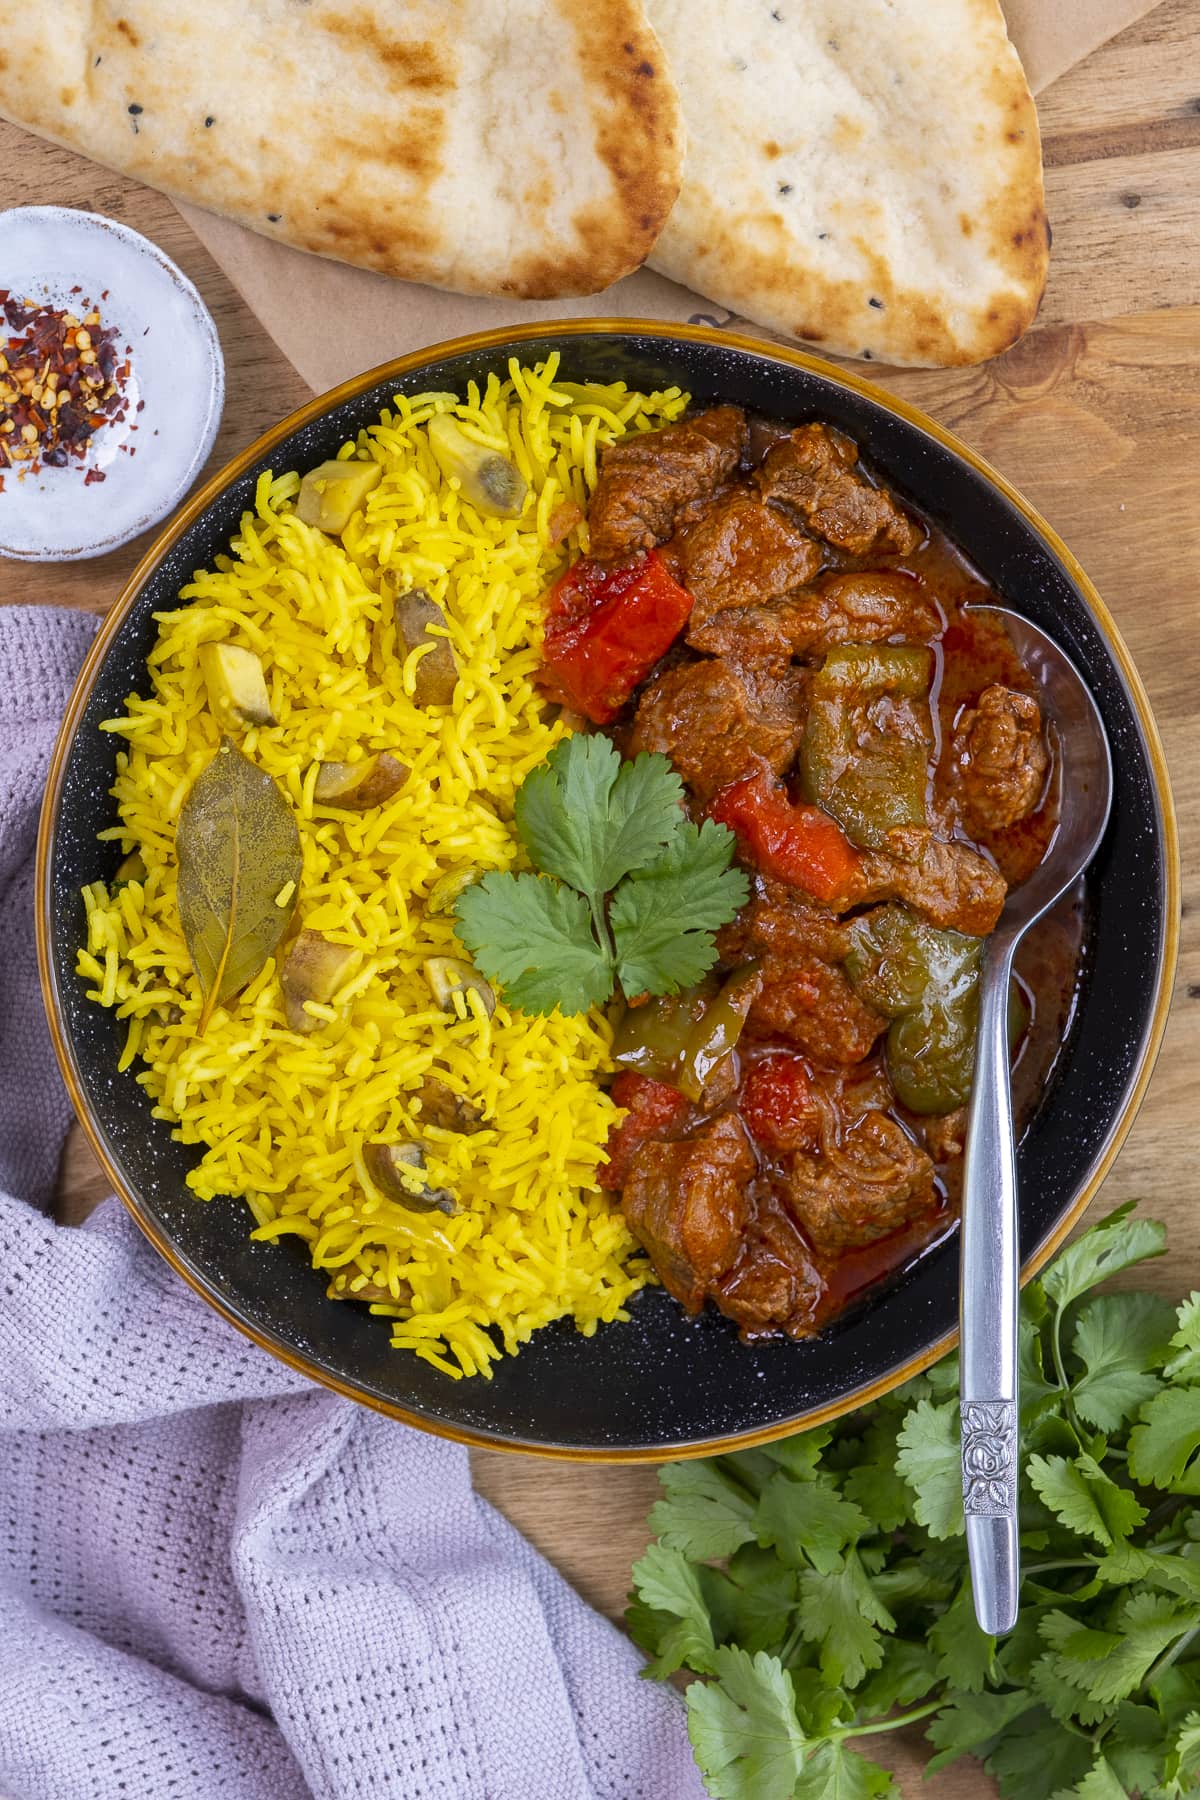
[[799, 844], [775, 1102], [607, 624], [654, 1111]]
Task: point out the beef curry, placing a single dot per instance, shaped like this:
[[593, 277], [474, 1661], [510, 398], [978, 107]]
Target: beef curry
[[803, 647]]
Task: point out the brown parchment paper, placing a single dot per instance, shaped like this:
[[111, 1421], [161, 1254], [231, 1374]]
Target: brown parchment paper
[[333, 322]]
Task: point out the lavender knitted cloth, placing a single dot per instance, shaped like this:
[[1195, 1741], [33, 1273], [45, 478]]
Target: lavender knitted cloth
[[218, 1582]]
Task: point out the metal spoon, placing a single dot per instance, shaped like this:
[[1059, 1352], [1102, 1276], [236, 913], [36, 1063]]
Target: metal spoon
[[990, 1251]]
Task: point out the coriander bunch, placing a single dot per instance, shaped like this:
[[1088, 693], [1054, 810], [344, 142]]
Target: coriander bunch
[[820, 1586]]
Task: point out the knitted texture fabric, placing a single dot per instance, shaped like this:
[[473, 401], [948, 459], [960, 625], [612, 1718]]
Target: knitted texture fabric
[[217, 1581]]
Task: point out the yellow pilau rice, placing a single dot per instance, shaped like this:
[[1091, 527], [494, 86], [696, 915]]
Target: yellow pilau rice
[[284, 1116]]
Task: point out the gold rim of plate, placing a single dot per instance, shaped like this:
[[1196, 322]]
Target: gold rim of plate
[[511, 339]]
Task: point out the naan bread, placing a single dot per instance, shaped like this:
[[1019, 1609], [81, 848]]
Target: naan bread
[[532, 148], [862, 174]]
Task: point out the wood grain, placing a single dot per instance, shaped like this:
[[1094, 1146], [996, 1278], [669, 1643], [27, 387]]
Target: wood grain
[[1095, 416]]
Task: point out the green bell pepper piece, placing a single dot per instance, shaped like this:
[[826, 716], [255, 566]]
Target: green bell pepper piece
[[869, 738], [681, 1038], [927, 983]]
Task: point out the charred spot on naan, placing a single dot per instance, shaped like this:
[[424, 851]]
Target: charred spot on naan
[[417, 66], [639, 140]]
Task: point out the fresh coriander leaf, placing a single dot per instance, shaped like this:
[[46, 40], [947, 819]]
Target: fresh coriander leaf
[[1098, 1784], [943, 1377], [801, 1454], [1037, 1758], [969, 1723], [1121, 1339], [1175, 1690], [1135, 1747], [1019, 1651], [1116, 1243], [1038, 1395], [1183, 1759], [1145, 1625], [757, 1610], [666, 1582], [1164, 1443], [647, 1626], [588, 818], [752, 1469], [561, 810], [874, 1484], [1069, 1706], [1084, 1497], [909, 1584], [534, 939], [902, 1399], [930, 1460], [965, 1654], [1126, 1564], [807, 1519], [645, 813], [822, 1710], [909, 1671], [834, 1773], [841, 1612], [705, 1514], [1052, 1435], [744, 1730], [1184, 1369], [663, 917]]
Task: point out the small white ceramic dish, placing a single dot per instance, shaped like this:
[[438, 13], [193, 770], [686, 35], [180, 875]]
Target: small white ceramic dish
[[59, 257]]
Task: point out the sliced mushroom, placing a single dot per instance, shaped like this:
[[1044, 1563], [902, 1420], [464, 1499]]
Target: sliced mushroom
[[130, 868], [356, 787], [313, 969], [449, 975], [436, 675], [371, 1292], [388, 1164], [331, 494], [237, 687], [440, 1105], [445, 891], [491, 483]]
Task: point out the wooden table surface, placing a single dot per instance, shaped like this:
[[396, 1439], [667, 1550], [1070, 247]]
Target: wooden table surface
[[1096, 416]]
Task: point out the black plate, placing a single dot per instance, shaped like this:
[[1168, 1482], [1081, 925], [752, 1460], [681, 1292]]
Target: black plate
[[661, 1383]]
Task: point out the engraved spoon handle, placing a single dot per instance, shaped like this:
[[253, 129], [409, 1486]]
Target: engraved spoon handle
[[988, 1308]]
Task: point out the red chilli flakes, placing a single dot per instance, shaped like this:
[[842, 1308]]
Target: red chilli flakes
[[61, 380]]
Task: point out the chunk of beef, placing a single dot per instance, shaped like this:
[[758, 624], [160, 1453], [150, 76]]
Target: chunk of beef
[[949, 884], [743, 552], [653, 1109], [687, 1204], [713, 720], [999, 760], [645, 477], [864, 1183], [806, 997], [866, 608], [946, 1135], [774, 1285], [813, 470]]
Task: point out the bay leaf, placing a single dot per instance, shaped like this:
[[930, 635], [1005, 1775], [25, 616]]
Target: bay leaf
[[237, 846]]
